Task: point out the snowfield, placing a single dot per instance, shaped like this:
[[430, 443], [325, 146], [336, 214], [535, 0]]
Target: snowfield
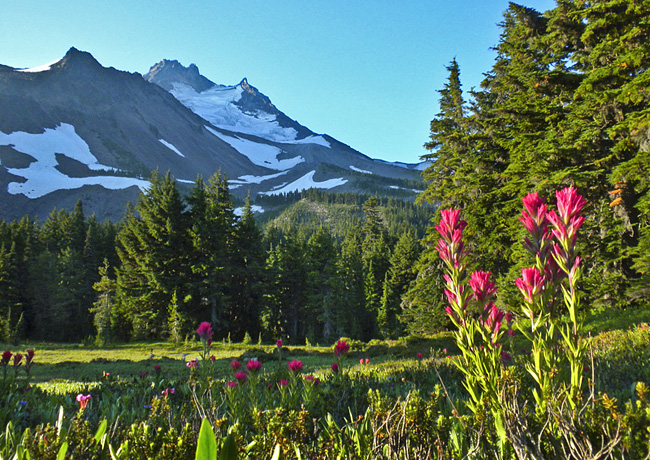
[[216, 105], [40, 68], [249, 179], [41, 175], [259, 154], [306, 182]]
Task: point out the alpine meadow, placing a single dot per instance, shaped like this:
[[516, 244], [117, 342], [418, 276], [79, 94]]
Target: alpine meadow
[[299, 300]]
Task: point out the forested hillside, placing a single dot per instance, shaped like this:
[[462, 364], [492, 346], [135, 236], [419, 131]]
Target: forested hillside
[[175, 261]]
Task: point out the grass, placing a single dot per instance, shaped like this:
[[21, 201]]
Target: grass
[[59, 365]]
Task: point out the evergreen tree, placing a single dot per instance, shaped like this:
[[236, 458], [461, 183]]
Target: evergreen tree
[[211, 232], [103, 307], [247, 273], [153, 251], [347, 322], [396, 283]]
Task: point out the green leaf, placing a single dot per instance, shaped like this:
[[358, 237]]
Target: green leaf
[[101, 431], [62, 451], [229, 448], [206, 448], [277, 453]]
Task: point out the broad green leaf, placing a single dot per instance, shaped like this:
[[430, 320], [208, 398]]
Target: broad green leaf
[[206, 448]]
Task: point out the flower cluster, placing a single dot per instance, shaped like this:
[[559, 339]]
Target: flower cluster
[[17, 360]]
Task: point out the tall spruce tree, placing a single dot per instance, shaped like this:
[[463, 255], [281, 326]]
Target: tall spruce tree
[[153, 249], [211, 232]]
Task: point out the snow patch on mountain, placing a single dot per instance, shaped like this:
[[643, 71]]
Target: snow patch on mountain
[[171, 147], [354, 168], [259, 154], [249, 179], [41, 68], [306, 182], [216, 105], [41, 175]]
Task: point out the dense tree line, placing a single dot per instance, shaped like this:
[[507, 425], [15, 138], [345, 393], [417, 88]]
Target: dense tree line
[[176, 260], [566, 103]]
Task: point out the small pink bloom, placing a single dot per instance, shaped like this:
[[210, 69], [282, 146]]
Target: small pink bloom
[[505, 357], [29, 356], [17, 359], [341, 347], [83, 400], [295, 366], [204, 331], [240, 376], [569, 203], [157, 368], [278, 343], [419, 355], [335, 368], [232, 384], [481, 285], [367, 360], [531, 283], [6, 357], [235, 365], [283, 383], [361, 361], [254, 365], [213, 358], [194, 364]]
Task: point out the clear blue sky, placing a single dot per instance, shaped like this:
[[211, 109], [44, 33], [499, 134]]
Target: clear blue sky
[[363, 71]]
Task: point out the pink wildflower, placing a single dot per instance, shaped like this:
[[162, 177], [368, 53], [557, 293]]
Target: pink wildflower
[[481, 285], [194, 364], [335, 368], [240, 376], [283, 383], [254, 365], [341, 347], [233, 384], [419, 355], [278, 343], [204, 331], [6, 357], [531, 283], [83, 400], [295, 366], [235, 365]]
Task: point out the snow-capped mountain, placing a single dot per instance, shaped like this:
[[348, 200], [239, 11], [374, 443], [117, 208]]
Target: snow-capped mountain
[[73, 129]]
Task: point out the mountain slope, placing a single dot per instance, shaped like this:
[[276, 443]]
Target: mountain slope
[[73, 129]]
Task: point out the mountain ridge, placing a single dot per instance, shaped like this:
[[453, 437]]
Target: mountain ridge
[[110, 125]]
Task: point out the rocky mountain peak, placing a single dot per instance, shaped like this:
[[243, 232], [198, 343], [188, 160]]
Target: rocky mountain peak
[[167, 72]]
